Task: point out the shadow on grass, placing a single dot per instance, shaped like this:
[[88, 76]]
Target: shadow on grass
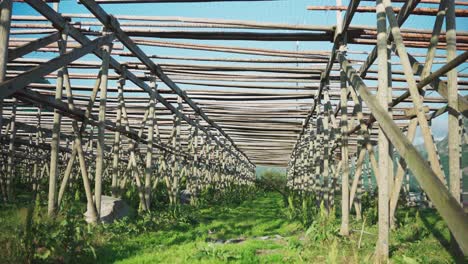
[[455, 253]]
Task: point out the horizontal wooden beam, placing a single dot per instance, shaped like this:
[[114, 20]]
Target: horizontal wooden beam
[[10, 86], [32, 46], [230, 35], [60, 23], [112, 23], [370, 9]]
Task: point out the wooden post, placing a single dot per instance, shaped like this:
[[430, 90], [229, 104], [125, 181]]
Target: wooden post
[[363, 139], [11, 153], [390, 112], [5, 23], [357, 176], [431, 50], [37, 138], [149, 145], [401, 171], [454, 136], [344, 230], [67, 173], [106, 49], [413, 90], [383, 143], [116, 148], [450, 210], [78, 147], [55, 142]]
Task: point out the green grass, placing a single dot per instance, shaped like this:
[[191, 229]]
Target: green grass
[[252, 221], [413, 242], [421, 237]]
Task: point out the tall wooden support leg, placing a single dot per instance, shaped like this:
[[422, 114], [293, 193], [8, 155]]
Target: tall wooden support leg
[[78, 150], [413, 89], [106, 49], [431, 50], [5, 23], [357, 176], [157, 138], [11, 153], [454, 138], [195, 169], [67, 174], [320, 155], [55, 142], [327, 150], [383, 143], [116, 148], [149, 150], [344, 157], [357, 203], [132, 163], [401, 171], [450, 210], [37, 161], [363, 139], [390, 113], [333, 130], [173, 180]]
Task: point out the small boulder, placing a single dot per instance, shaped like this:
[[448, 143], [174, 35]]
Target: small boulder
[[185, 196], [111, 209]]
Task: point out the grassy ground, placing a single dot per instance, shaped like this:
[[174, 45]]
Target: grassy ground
[[260, 228], [266, 236]]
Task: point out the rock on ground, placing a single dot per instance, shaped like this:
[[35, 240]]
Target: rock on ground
[[185, 196], [111, 209]]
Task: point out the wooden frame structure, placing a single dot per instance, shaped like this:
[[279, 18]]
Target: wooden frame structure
[[127, 129]]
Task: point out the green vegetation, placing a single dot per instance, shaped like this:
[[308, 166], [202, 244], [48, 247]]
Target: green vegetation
[[258, 228]]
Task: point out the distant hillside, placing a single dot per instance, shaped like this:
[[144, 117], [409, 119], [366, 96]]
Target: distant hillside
[[261, 169], [442, 148]]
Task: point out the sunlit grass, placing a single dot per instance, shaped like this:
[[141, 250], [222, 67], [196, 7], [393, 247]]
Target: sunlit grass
[[265, 234]]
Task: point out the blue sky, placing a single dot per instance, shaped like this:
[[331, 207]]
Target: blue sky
[[285, 11]]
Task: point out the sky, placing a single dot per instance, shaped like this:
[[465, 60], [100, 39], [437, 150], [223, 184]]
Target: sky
[[283, 11]]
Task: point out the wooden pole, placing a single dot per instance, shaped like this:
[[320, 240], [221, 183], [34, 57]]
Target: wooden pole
[[401, 171], [117, 139], [413, 89], [106, 49], [453, 118], [454, 136], [55, 142], [344, 157], [11, 153], [447, 206], [381, 253], [149, 145], [5, 23]]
